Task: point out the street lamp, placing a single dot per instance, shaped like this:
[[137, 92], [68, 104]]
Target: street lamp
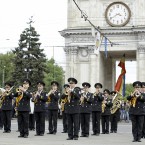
[[3, 74], [27, 70]]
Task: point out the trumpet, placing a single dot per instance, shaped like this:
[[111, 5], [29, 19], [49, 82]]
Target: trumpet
[[34, 96], [82, 99], [4, 94], [49, 94]]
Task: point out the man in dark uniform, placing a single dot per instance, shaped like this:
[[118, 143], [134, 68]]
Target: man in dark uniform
[[63, 103], [97, 109], [39, 99], [115, 117], [24, 108], [73, 110], [53, 97], [143, 130], [7, 107], [137, 111], [106, 105], [85, 109]]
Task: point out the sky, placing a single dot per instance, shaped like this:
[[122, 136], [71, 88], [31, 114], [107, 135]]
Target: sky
[[50, 16]]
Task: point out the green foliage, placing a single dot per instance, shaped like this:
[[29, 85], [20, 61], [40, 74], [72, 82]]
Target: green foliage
[[53, 72], [29, 61], [6, 67], [129, 89]]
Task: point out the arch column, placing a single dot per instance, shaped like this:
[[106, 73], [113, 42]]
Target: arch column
[[140, 63]]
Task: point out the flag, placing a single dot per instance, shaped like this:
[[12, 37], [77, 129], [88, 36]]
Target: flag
[[97, 43], [120, 84], [105, 47]]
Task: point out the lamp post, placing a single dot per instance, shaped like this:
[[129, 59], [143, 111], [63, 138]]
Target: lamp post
[[3, 76], [27, 70]]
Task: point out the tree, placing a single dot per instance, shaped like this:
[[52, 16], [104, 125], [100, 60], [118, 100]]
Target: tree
[[6, 67], [54, 72], [29, 61]]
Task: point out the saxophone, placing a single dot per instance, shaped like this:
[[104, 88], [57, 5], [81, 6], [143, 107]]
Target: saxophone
[[134, 98], [103, 105]]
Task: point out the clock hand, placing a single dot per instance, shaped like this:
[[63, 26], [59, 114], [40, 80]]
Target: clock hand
[[115, 15]]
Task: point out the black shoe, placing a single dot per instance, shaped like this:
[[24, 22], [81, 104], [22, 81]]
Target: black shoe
[[86, 135], [106, 132], [75, 138], [50, 133], [25, 136], [4, 131], [41, 134], [8, 131], [82, 136], [64, 132], [69, 138], [111, 131], [115, 131], [37, 135], [21, 136], [134, 140], [103, 133], [139, 140]]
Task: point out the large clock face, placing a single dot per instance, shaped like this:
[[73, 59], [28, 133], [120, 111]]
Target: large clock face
[[117, 14]]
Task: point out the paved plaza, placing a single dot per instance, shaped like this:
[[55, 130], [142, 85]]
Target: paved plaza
[[123, 137]]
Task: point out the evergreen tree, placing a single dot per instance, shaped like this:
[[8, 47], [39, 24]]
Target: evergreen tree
[[29, 61]]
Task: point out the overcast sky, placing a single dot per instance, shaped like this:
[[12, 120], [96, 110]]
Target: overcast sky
[[50, 16]]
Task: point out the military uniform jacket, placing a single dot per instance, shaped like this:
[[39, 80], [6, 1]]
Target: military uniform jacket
[[7, 103], [86, 106], [108, 107], [97, 102], [24, 103], [73, 106], [39, 105], [139, 108], [53, 104]]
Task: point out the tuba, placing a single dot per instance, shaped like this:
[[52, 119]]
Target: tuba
[[116, 102]]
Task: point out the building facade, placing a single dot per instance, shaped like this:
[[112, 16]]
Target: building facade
[[123, 22]]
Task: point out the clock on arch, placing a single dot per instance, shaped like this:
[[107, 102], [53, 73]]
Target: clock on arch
[[117, 14]]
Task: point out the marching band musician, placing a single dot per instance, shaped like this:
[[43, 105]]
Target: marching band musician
[[64, 103], [114, 118], [143, 130], [24, 108], [106, 105], [39, 98], [73, 110], [97, 109], [53, 97], [137, 111], [7, 107], [85, 109]]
